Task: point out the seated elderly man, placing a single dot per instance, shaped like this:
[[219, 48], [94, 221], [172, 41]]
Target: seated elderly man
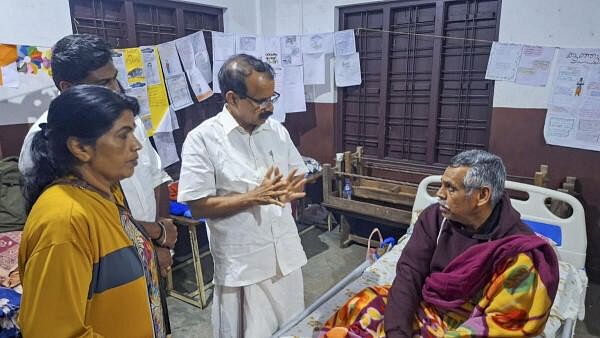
[[472, 267]]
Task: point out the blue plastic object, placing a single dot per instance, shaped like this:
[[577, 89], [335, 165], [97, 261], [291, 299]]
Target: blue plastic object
[[178, 209], [347, 190], [548, 230], [387, 243]]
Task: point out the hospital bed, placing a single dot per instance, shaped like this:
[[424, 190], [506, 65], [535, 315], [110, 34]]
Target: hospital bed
[[567, 234]]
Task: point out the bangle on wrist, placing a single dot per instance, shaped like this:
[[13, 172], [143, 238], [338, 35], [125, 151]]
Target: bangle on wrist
[[162, 234]]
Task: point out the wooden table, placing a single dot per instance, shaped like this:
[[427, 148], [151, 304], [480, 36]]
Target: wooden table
[[382, 214], [200, 292]]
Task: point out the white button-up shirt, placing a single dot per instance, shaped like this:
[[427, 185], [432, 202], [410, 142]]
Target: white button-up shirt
[[138, 189], [220, 158]]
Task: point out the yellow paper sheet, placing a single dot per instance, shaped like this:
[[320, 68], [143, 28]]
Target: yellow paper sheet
[[133, 65], [157, 95], [8, 54]]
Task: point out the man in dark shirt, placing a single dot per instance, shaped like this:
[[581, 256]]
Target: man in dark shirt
[[473, 209]]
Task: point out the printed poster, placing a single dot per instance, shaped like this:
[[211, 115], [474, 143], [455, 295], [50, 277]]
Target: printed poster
[[503, 61], [133, 65], [158, 100], [573, 116], [32, 60]]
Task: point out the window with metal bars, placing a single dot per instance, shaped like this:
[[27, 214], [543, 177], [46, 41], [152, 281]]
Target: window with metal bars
[[133, 23], [423, 98]]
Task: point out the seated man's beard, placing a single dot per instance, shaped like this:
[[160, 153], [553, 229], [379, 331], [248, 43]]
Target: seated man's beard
[[265, 115]]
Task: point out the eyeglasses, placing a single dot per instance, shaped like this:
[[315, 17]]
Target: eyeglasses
[[265, 102]]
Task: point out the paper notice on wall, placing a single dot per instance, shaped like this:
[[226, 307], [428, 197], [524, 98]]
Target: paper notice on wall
[[248, 44], [165, 146], [164, 141], [223, 45], [291, 50], [119, 63], [157, 93], [314, 69], [503, 61], [9, 77], [141, 94], [136, 80], [32, 59], [168, 123], [175, 79], [169, 59], [151, 69], [174, 121], [8, 54], [573, 116], [186, 51], [178, 91], [194, 55], [272, 50], [217, 64], [317, 43], [159, 104], [344, 43], [347, 70], [534, 65], [134, 65], [199, 85], [203, 64], [293, 90], [279, 106]]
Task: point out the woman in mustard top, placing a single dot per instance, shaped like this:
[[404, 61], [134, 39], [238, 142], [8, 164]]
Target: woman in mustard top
[[87, 269]]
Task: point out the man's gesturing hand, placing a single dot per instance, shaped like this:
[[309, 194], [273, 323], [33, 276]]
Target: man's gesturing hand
[[293, 188], [270, 189]]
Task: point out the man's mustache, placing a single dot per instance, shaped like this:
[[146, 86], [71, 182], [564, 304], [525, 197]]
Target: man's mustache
[[265, 115]]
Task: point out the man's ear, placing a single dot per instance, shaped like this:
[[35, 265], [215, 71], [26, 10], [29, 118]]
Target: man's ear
[[484, 196], [64, 85], [231, 98], [81, 151]]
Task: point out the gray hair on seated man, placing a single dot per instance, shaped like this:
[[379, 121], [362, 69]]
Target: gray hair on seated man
[[485, 169]]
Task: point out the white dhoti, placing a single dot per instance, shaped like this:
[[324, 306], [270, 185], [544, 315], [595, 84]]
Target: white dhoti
[[257, 310]]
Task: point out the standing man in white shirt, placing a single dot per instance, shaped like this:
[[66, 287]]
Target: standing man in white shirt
[[85, 58], [240, 170]]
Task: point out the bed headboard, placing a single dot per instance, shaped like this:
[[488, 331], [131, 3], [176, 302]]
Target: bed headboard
[[568, 233]]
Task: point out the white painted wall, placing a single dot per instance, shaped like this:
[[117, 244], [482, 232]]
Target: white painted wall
[[239, 16], [37, 23], [556, 23], [34, 22]]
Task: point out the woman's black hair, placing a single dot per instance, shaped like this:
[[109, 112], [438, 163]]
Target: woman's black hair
[[85, 112]]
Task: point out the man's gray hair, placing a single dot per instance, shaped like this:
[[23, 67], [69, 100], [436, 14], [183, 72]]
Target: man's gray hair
[[485, 169]]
